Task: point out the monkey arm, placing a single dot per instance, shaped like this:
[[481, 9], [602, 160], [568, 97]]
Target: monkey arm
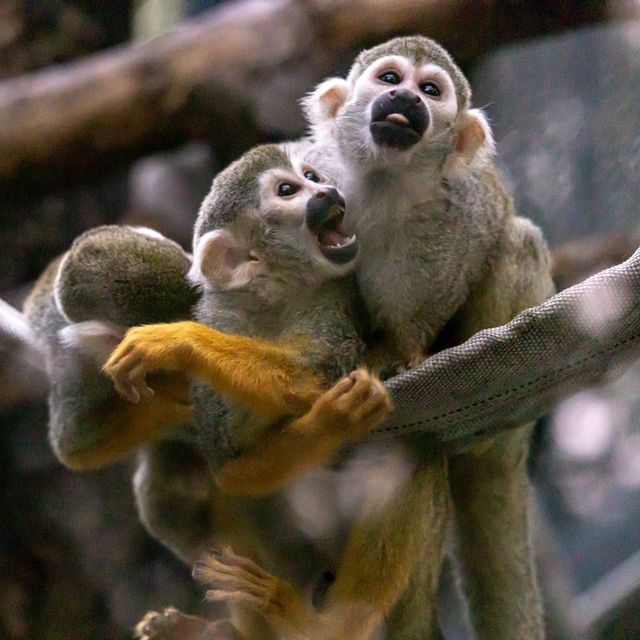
[[519, 278], [265, 377], [348, 411], [105, 428]]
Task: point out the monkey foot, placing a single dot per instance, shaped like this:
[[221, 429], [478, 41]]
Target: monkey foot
[[238, 579], [172, 624]]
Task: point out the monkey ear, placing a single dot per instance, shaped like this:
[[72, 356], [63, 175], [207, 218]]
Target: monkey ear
[[93, 338], [321, 106], [219, 261], [474, 143]]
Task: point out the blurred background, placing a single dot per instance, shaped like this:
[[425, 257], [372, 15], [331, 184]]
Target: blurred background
[[123, 111]]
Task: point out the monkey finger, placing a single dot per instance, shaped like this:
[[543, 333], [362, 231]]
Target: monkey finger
[[246, 563], [137, 379], [215, 571], [363, 426], [360, 374], [220, 574], [121, 351], [358, 394], [216, 595], [244, 568], [378, 400], [149, 627], [126, 390], [339, 388]]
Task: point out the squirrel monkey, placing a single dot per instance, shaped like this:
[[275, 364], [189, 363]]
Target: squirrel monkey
[[112, 277], [275, 324], [273, 261], [443, 255]]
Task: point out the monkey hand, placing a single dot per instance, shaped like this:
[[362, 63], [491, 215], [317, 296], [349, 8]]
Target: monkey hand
[[351, 408], [143, 350]]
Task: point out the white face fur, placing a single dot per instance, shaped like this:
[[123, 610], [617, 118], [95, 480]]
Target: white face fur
[[345, 111], [429, 82]]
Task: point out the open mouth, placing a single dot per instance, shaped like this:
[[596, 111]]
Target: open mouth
[[334, 243]]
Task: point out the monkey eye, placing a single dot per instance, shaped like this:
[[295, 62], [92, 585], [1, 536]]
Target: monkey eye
[[389, 77], [311, 175], [287, 189], [430, 89]]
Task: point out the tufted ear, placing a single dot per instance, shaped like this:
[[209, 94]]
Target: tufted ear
[[220, 261], [474, 144], [321, 106]]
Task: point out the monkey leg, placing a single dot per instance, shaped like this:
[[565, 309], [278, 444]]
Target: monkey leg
[[382, 561], [415, 615], [490, 491], [348, 411], [174, 493], [391, 564], [172, 624], [265, 377], [489, 487]]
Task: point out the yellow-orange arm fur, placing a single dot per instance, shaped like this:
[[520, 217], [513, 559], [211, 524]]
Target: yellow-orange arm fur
[[125, 426], [348, 411], [265, 377]]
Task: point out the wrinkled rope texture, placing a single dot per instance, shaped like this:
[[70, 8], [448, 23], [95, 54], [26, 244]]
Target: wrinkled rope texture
[[506, 376]]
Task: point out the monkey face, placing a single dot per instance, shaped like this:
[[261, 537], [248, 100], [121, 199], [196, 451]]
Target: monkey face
[[403, 105], [289, 233], [308, 215]]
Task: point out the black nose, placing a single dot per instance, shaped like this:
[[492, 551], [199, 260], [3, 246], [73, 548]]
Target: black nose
[[403, 98], [321, 205], [332, 195]]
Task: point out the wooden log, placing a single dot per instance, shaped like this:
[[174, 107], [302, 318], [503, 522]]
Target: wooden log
[[233, 77]]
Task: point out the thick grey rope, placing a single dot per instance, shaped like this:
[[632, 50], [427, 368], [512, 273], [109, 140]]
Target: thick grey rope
[[506, 376], [501, 377]]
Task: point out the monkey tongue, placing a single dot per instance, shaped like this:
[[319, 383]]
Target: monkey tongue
[[398, 118]]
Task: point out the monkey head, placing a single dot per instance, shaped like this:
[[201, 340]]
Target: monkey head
[[404, 102], [270, 222]]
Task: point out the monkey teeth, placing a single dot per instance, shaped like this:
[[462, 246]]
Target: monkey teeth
[[330, 238], [398, 118]]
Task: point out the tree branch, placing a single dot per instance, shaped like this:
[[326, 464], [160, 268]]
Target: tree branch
[[234, 77]]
